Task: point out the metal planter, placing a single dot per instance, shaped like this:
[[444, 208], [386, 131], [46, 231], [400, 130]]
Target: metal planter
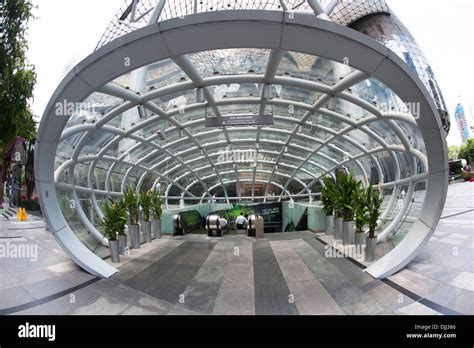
[[114, 250], [371, 245], [348, 232], [338, 228], [156, 228], [123, 243], [360, 238], [146, 231], [329, 225], [134, 231]]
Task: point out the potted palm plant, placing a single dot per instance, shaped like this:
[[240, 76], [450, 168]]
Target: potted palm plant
[[347, 184], [360, 208], [337, 211], [373, 201], [328, 201], [132, 203], [111, 224], [157, 209], [145, 203], [121, 235]]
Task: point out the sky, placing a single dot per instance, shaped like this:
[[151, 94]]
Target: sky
[[66, 31]]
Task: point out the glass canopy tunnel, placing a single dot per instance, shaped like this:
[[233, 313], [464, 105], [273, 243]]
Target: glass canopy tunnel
[[245, 101]]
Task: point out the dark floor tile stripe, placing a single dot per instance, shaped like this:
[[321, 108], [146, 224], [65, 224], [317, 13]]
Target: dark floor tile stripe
[[439, 308], [453, 215], [25, 228], [47, 299], [168, 278], [271, 290]]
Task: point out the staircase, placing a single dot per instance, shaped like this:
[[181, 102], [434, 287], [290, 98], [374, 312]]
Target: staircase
[[10, 213]]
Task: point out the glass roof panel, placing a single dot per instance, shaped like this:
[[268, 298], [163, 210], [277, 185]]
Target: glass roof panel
[[164, 73], [306, 96], [230, 61], [378, 94], [89, 110], [292, 111], [305, 142], [344, 145], [413, 135], [170, 130], [312, 68], [350, 110], [239, 109], [237, 90], [173, 101]]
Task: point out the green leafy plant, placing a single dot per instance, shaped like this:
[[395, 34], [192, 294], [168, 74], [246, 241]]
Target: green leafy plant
[[347, 186], [30, 204], [227, 214], [328, 195], [360, 207], [146, 204], [123, 216], [114, 219], [133, 205], [244, 210], [156, 204], [373, 201], [290, 227], [17, 80], [190, 220], [466, 151]]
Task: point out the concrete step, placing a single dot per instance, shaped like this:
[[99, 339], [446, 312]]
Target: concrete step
[[9, 213], [237, 232]]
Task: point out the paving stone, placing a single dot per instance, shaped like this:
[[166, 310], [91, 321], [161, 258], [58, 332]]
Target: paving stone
[[417, 308], [200, 297], [271, 290], [103, 306], [235, 298], [463, 302], [71, 302], [168, 278], [464, 280], [180, 310], [38, 310], [47, 287], [386, 295], [12, 297]]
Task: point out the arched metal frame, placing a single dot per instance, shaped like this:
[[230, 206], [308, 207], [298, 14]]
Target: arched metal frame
[[175, 39]]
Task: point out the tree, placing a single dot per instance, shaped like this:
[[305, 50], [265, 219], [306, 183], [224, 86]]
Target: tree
[[28, 147], [17, 79], [467, 151], [453, 152]]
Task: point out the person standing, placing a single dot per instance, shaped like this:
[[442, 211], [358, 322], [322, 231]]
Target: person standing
[[241, 221]]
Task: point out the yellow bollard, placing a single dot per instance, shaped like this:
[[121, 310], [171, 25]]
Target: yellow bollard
[[21, 215]]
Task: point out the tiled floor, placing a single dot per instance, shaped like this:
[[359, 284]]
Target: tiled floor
[[283, 274], [286, 273], [443, 272]]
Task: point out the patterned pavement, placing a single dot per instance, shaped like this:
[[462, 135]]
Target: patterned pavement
[[285, 273]]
